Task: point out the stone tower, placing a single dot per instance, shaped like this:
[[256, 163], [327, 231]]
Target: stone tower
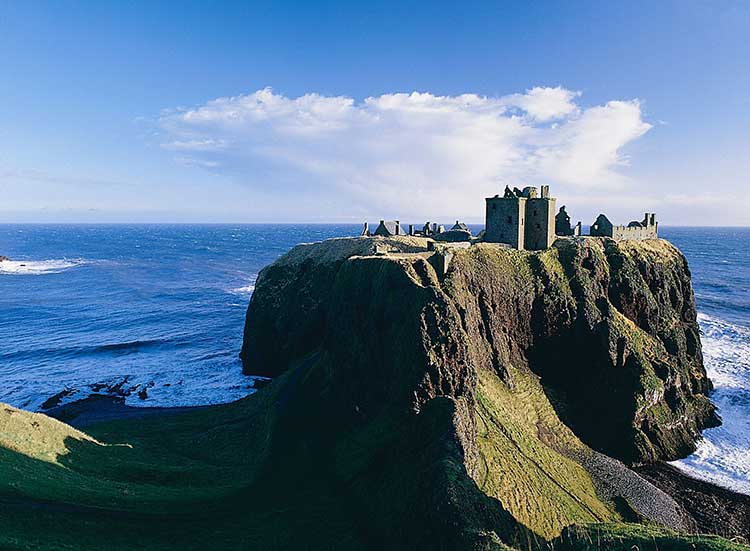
[[504, 219], [540, 221], [521, 219]]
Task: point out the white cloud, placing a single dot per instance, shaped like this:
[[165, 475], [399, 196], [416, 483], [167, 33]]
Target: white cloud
[[407, 153], [546, 104]]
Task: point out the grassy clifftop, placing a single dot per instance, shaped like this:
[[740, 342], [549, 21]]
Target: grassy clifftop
[[409, 411]]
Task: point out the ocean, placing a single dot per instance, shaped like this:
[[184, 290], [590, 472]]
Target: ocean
[[154, 313]]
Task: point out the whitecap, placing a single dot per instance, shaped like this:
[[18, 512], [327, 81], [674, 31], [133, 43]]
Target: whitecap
[[37, 267]]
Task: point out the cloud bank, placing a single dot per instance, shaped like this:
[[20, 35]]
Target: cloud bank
[[407, 153]]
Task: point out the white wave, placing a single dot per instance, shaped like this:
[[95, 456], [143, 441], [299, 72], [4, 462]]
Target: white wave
[[37, 267], [246, 290], [723, 455], [726, 352]]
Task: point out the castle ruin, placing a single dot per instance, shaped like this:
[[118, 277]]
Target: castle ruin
[[562, 224], [521, 219], [646, 229]]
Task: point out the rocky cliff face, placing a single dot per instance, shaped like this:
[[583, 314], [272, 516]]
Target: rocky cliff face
[[467, 403]]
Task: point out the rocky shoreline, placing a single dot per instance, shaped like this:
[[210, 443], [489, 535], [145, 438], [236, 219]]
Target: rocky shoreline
[[714, 509], [101, 408]]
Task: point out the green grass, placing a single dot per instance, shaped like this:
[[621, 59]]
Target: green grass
[[199, 480], [634, 537], [186, 481], [157, 463], [519, 435]]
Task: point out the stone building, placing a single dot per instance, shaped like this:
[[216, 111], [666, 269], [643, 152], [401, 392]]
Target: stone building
[[460, 232], [430, 229], [388, 228], [562, 224], [521, 219], [646, 229]]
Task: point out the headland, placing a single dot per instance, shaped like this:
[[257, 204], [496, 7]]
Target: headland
[[499, 400]]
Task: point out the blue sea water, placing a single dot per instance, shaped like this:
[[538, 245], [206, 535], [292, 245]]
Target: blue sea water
[[128, 308], [155, 313]]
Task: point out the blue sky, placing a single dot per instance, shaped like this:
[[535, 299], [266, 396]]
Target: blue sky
[[256, 112]]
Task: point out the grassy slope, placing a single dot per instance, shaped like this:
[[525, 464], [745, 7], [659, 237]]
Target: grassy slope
[[632, 537], [184, 482], [517, 432], [172, 482]]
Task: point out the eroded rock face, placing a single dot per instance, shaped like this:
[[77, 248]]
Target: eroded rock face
[[599, 334], [609, 326]]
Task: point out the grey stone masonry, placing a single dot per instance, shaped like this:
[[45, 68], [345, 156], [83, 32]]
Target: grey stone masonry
[[648, 228], [504, 220], [521, 218], [562, 224], [388, 228]]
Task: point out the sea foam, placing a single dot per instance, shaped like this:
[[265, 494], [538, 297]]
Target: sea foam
[[247, 289], [723, 455], [37, 267]]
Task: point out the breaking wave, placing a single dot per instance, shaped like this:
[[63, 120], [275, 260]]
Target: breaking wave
[[723, 455], [245, 290]]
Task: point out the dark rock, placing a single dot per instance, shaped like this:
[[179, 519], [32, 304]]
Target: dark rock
[[54, 401], [261, 383], [714, 510], [100, 408], [610, 326]]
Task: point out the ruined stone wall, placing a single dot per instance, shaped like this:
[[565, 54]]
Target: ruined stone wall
[[505, 221], [634, 232], [539, 231]]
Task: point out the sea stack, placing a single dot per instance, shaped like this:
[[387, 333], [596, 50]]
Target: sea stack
[[449, 400]]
